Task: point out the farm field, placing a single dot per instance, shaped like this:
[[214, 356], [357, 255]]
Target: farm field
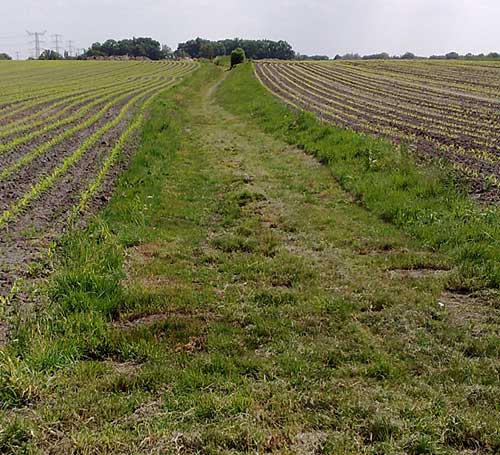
[[448, 110], [63, 128], [233, 298]]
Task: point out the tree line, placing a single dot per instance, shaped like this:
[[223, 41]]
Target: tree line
[[412, 56], [457, 56], [254, 49], [135, 47], [195, 48]]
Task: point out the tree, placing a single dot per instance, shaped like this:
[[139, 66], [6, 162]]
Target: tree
[[167, 52], [351, 56], [311, 57], [207, 50], [48, 54], [408, 56], [381, 56], [109, 47], [95, 51], [179, 53], [237, 57], [452, 56], [135, 47], [4, 56]]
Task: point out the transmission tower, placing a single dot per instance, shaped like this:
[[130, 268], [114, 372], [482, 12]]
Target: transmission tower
[[57, 43], [37, 41], [70, 48]]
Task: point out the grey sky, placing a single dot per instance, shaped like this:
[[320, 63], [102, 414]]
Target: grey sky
[[311, 26]]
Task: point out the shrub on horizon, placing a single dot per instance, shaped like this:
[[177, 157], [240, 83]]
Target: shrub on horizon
[[237, 57]]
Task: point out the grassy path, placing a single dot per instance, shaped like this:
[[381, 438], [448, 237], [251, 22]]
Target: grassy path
[[261, 311]]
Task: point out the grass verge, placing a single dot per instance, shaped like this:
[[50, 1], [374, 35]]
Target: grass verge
[[423, 199]]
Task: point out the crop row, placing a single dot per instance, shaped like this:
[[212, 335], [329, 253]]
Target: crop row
[[111, 160], [337, 112], [436, 99], [63, 104], [114, 111], [464, 81], [26, 101], [58, 119], [27, 90], [60, 75], [469, 142], [390, 112]]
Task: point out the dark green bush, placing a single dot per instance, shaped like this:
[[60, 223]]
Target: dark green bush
[[237, 57]]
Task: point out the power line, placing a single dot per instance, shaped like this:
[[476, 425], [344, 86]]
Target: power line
[[37, 41], [56, 37]]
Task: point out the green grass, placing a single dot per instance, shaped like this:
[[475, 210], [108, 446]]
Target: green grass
[[233, 298], [423, 199]]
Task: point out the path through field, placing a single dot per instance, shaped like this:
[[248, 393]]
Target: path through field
[[270, 313]]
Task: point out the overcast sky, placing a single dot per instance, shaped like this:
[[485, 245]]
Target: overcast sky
[[311, 26]]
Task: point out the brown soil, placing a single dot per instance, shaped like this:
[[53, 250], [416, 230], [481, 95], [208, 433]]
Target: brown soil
[[25, 240], [20, 181], [479, 312], [359, 96]]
